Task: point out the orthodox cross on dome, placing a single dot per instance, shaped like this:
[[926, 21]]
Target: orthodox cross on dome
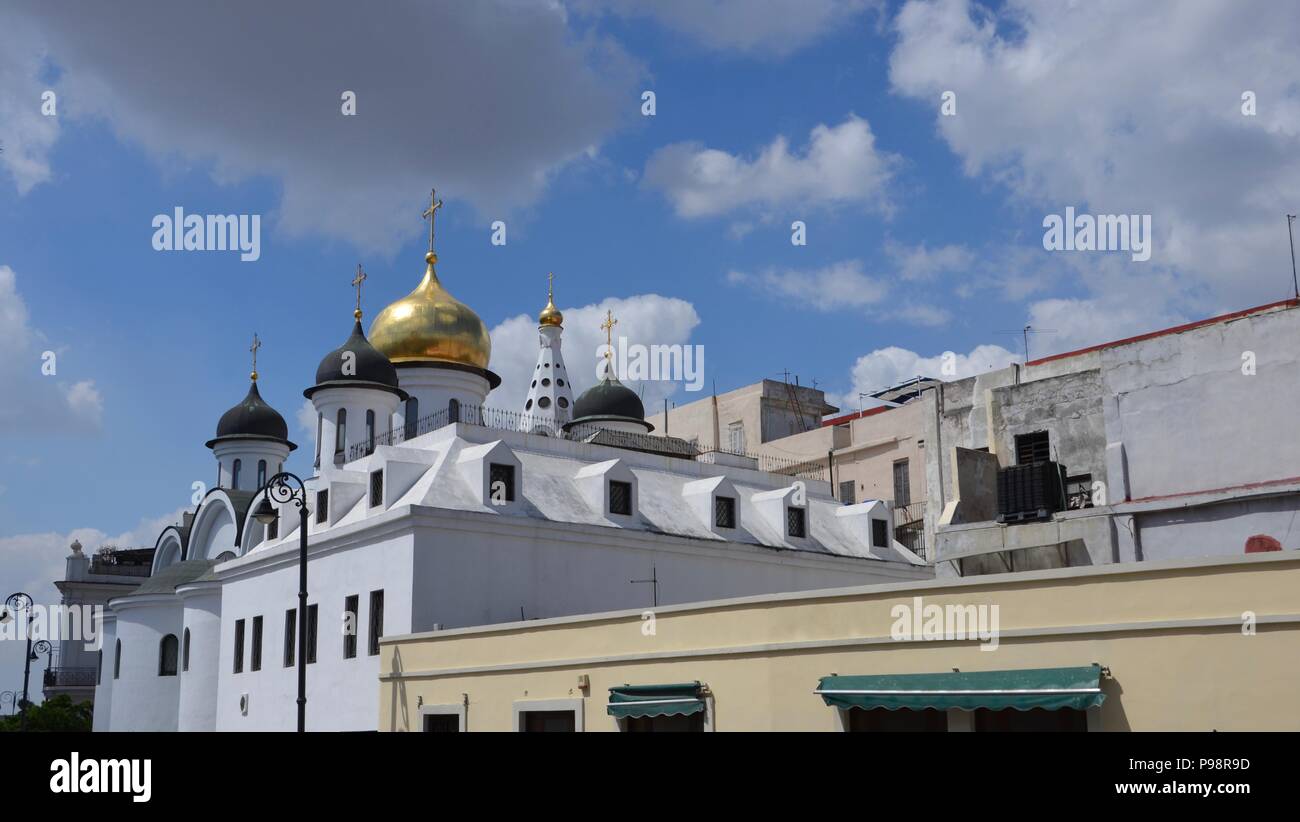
[[357, 281], [431, 212], [608, 326], [550, 285], [253, 348]]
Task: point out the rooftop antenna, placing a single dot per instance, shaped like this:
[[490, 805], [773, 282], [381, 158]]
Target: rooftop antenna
[[1290, 218], [653, 582], [1025, 332]]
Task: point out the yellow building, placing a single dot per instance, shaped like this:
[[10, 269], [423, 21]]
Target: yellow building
[[1204, 644]]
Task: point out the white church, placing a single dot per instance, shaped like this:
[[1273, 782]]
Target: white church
[[430, 510]]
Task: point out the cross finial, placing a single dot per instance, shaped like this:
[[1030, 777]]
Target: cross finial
[[550, 285], [253, 348], [431, 212], [608, 326], [357, 281]]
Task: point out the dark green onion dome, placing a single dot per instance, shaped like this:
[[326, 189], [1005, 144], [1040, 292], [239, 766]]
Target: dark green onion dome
[[252, 419], [356, 364], [609, 400]]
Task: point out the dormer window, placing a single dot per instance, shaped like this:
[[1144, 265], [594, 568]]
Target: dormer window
[[879, 533], [376, 488], [724, 512], [322, 506], [796, 522], [620, 498]]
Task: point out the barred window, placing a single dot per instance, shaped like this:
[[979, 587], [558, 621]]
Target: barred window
[[504, 474], [167, 656], [724, 512], [350, 607], [273, 530], [879, 533], [239, 646], [322, 506], [255, 663], [290, 632], [620, 497], [796, 522], [376, 621], [376, 488], [310, 650]]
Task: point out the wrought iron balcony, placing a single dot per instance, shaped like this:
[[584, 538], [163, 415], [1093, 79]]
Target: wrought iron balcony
[[70, 677]]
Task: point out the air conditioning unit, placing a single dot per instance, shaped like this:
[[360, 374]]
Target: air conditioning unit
[[243, 704], [1027, 493]]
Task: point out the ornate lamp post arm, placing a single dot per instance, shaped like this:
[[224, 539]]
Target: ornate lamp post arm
[[279, 489]]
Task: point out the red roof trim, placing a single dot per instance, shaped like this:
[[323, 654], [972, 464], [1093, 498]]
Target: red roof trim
[[1291, 303], [857, 415]]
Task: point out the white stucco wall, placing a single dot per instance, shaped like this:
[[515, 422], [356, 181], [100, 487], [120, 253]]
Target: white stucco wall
[[142, 700], [197, 703]]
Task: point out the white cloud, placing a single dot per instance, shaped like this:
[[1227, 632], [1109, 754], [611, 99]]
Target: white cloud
[[33, 402], [835, 287], [488, 100], [1124, 108], [921, 264], [28, 134], [648, 319], [306, 419], [32, 562], [773, 28], [839, 167], [889, 366]]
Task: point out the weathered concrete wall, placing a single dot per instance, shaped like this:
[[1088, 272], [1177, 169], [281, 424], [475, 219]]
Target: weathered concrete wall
[[1190, 420], [1219, 530], [974, 487], [1068, 407], [764, 409]]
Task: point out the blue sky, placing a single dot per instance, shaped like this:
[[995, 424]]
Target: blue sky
[[924, 231]]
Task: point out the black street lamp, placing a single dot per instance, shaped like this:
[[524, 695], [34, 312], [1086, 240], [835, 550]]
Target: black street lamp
[[13, 604], [277, 488]]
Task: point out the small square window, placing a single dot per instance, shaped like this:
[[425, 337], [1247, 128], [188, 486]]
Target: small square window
[[376, 488], [501, 482], [620, 497], [273, 530], [796, 522], [879, 533], [322, 506], [724, 512]]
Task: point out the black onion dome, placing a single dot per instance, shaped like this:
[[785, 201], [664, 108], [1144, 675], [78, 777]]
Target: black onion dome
[[609, 399], [368, 366], [252, 418]]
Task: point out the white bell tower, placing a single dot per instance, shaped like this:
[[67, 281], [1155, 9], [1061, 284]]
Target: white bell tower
[[550, 394]]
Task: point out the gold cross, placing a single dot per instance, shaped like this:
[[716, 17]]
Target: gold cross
[[550, 286], [608, 326], [256, 345], [434, 205], [357, 281]]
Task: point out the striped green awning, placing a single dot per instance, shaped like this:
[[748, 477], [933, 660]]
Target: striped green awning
[[655, 700], [1048, 688]]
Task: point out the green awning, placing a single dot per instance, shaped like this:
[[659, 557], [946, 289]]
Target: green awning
[[655, 700], [1049, 688]]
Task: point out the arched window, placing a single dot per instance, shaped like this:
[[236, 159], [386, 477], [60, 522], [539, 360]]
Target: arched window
[[167, 656], [370, 432], [117, 659], [234, 475], [185, 652], [412, 416], [320, 420], [340, 429], [261, 473], [453, 411]]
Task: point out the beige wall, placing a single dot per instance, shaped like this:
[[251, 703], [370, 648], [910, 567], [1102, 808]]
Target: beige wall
[[1170, 633]]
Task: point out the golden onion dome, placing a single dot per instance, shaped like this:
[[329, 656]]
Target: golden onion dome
[[431, 325], [550, 314]]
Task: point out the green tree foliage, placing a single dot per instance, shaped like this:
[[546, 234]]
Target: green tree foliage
[[57, 714]]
